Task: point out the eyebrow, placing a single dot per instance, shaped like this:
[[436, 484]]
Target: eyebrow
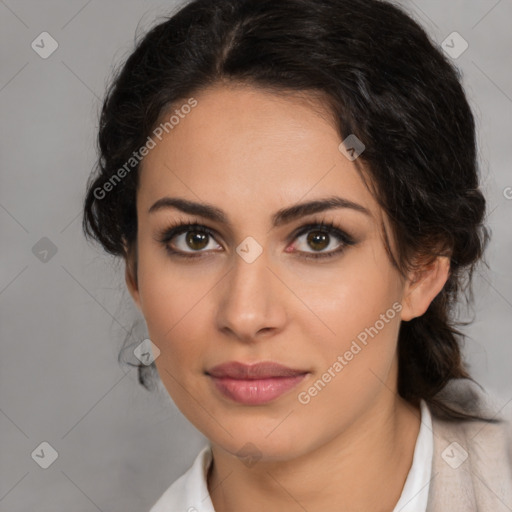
[[281, 217]]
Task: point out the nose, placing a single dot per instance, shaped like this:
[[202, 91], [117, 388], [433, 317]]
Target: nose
[[251, 305]]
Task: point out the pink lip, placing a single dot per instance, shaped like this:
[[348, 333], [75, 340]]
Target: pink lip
[[254, 384]]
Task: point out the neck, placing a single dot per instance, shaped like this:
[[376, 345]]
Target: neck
[[362, 468]]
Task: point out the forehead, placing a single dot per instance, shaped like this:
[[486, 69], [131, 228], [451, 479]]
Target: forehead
[[247, 148]]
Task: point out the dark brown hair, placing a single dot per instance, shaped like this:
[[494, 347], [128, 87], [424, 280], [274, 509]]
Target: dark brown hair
[[383, 80]]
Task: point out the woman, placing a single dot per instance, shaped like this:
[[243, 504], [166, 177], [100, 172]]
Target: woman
[[293, 187]]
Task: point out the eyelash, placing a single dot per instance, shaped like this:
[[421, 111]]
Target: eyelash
[[165, 236]]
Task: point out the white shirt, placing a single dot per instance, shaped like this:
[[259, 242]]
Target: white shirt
[[190, 492]]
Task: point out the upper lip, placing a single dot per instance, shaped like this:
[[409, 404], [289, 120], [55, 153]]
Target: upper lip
[[263, 370]]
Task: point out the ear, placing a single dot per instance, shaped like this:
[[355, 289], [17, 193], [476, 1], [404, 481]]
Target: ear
[[131, 284], [130, 276], [423, 285]]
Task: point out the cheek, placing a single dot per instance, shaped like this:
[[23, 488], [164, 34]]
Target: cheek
[[359, 307], [353, 295], [173, 316], [168, 305], [356, 366]]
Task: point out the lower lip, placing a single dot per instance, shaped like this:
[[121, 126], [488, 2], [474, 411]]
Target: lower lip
[[255, 392]]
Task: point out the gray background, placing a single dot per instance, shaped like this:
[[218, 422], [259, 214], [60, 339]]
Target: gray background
[[63, 321]]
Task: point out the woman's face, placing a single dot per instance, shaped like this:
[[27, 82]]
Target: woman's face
[[249, 293]]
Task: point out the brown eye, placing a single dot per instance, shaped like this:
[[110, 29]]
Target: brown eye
[[187, 240], [196, 240], [318, 240]]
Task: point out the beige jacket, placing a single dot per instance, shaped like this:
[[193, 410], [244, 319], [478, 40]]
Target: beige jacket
[[472, 460]]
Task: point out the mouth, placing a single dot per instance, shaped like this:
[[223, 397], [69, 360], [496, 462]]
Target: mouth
[[254, 384]]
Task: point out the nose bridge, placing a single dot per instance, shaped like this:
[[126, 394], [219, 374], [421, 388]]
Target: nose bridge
[[249, 303]]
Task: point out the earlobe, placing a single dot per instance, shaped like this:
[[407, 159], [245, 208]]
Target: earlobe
[[423, 286]]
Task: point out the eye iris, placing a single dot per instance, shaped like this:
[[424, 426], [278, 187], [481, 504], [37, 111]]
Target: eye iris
[[318, 238], [195, 236]]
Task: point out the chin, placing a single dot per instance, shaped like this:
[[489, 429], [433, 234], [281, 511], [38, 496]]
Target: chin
[[252, 444]]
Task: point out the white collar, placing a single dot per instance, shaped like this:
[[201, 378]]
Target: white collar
[[414, 495], [190, 492]]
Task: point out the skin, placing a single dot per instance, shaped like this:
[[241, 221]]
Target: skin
[[250, 153]]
